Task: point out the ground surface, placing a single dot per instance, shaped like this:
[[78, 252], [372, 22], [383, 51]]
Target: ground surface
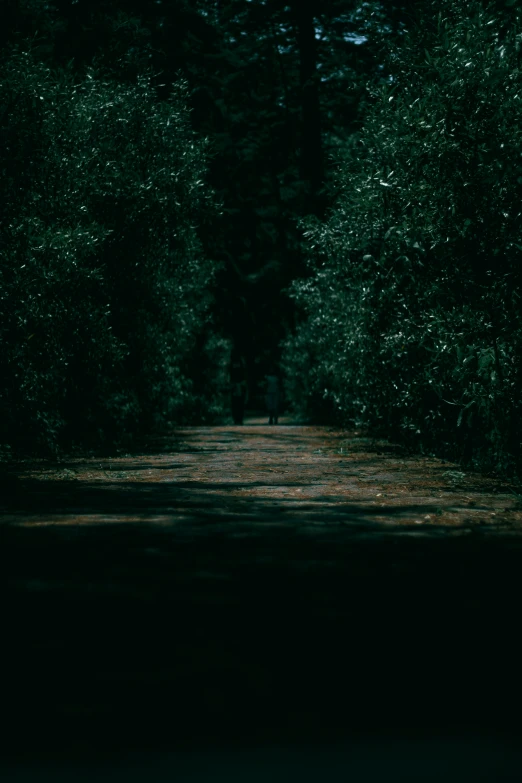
[[258, 586]]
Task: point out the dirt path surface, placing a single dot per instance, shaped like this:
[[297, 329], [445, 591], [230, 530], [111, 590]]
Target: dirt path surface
[[312, 478], [243, 585]]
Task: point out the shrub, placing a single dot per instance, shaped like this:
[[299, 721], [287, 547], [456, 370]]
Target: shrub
[[104, 287], [413, 321]]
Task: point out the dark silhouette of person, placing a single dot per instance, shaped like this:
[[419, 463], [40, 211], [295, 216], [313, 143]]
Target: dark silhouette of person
[[273, 394], [238, 387]]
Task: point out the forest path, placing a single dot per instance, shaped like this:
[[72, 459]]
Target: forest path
[[258, 584], [310, 478]]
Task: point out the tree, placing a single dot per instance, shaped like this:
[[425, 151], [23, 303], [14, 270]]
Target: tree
[[104, 287], [414, 322]]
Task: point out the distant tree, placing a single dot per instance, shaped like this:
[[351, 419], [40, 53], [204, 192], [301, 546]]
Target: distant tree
[[277, 89]]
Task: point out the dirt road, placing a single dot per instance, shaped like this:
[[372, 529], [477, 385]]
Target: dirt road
[[243, 585]]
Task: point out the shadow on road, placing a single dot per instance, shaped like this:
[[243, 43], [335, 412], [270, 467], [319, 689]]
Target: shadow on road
[[147, 615]]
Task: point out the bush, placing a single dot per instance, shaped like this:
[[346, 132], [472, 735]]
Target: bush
[[413, 320], [104, 288]]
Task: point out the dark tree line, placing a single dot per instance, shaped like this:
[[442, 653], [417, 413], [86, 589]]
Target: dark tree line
[[277, 88]]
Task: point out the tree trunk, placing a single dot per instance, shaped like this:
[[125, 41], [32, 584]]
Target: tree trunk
[[311, 145]]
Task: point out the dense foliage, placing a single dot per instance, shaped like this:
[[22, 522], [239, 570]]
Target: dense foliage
[[275, 86], [104, 289], [278, 88], [393, 124], [413, 305]]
